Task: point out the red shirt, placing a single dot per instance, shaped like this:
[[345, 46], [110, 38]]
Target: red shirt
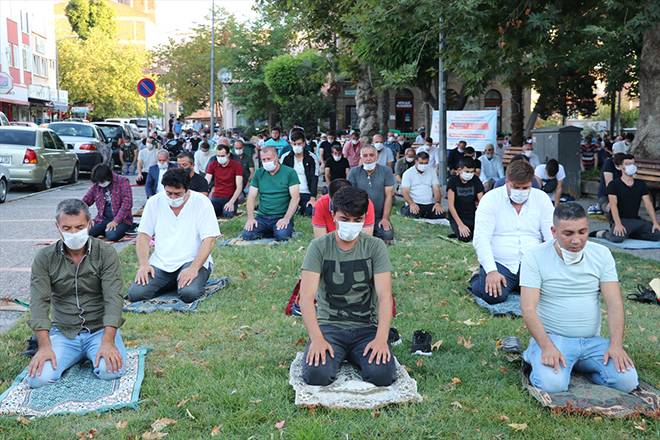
[[322, 217], [224, 184]]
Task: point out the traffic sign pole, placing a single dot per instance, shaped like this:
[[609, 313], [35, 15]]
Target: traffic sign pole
[[146, 106], [146, 88]]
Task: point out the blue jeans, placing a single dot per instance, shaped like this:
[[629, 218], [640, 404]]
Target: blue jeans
[[219, 207], [349, 344], [585, 355], [478, 284], [69, 352], [116, 235], [267, 228], [381, 233], [126, 169]]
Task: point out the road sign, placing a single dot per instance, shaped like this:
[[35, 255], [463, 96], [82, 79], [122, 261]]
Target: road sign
[[224, 76], [146, 87]]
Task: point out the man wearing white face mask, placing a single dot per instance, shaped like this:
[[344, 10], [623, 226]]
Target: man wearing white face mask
[[421, 190], [385, 155], [625, 195], [278, 190], [185, 229], [464, 191], [528, 150], [509, 220], [306, 166], [378, 182], [349, 273], [156, 172], [227, 176], [561, 284], [76, 302], [147, 157], [402, 165], [491, 167]]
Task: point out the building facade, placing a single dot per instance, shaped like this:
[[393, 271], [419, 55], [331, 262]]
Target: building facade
[[28, 63]]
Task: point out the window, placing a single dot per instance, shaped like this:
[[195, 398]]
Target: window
[[493, 98], [48, 141], [40, 65], [74, 130], [58, 142], [40, 44], [17, 137], [26, 59]]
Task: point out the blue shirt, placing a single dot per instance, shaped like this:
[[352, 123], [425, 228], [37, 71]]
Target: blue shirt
[[569, 304], [280, 145]]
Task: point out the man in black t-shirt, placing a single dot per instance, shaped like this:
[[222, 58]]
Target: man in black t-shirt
[[625, 195], [454, 156], [464, 191], [325, 148], [198, 183], [611, 171], [337, 166]]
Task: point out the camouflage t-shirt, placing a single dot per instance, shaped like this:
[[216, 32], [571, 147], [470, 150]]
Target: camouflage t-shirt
[[346, 296]]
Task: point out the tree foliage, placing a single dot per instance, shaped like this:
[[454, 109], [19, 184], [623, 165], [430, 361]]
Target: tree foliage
[[84, 16]]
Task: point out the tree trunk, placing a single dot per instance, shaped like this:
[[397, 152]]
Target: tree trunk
[[647, 140], [531, 122], [385, 112], [612, 114], [366, 103], [517, 114]]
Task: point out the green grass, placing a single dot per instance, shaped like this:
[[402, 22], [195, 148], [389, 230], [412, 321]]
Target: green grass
[[232, 357]]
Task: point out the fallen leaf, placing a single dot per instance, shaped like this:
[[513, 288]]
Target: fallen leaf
[[503, 418], [121, 424], [641, 426], [517, 426], [443, 303], [256, 401], [471, 322], [498, 344], [189, 414], [456, 404], [598, 419], [178, 346], [456, 381], [22, 420], [243, 275], [150, 435], [184, 401], [86, 435], [280, 424], [282, 365], [419, 362], [437, 345], [159, 424], [504, 370], [301, 341], [467, 343], [215, 431], [375, 413], [242, 336]]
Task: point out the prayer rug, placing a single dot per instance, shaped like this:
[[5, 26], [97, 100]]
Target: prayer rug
[[238, 241], [439, 221], [586, 398], [350, 391], [78, 391], [169, 302], [629, 243], [509, 307]]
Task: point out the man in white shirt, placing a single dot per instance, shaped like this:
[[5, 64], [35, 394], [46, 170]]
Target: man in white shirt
[[552, 177], [185, 229], [147, 157], [385, 155], [202, 157], [491, 167], [528, 150], [421, 190], [432, 151], [561, 284], [509, 220], [622, 145]]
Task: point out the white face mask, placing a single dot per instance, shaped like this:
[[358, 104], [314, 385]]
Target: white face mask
[[336, 157], [103, 184], [150, 146], [355, 141], [467, 176], [519, 196], [176, 203], [630, 170], [570, 257], [297, 149], [421, 167], [390, 139], [527, 153], [410, 159], [238, 151], [269, 166], [379, 146], [162, 166], [349, 231], [222, 160], [75, 241], [369, 166]]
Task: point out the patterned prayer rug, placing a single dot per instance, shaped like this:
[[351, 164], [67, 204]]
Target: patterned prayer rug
[[170, 302], [510, 307]]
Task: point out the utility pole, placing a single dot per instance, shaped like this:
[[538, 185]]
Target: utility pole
[[442, 138], [212, 100]]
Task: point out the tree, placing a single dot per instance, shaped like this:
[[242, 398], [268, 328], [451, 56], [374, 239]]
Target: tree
[[99, 71], [87, 15], [647, 139]]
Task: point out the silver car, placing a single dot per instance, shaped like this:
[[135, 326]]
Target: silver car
[[87, 140], [37, 156], [4, 183]]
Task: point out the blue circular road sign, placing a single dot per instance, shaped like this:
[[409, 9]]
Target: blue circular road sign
[[146, 87]]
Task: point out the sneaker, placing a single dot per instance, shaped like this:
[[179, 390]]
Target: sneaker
[[421, 343], [511, 344], [394, 338], [594, 209], [295, 310]]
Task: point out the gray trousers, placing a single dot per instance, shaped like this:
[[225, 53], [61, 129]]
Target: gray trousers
[[635, 228], [166, 282]]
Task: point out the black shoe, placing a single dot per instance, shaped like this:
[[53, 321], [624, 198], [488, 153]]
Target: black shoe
[[511, 344], [421, 343], [394, 338], [31, 344], [644, 295]]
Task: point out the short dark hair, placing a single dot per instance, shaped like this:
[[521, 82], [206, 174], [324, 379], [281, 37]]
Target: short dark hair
[[336, 185], [462, 142], [469, 150], [204, 145], [332, 133], [188, 155], [568, 211], [618, 158], [628, 156], [227, 148], [552, 168], [423, 155], [297, 135], [630, 136], [169, 135], [101, 173], [276, 129], [176, 178], [71, 207], [518, 157], [350, 200], [337, 147], [467, 162], [428, 139], [519, 172]]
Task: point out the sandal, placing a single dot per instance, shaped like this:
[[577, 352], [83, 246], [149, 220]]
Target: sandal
[[643, 295]]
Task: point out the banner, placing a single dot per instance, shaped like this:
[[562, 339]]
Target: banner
[[476, 127], [435, 127]]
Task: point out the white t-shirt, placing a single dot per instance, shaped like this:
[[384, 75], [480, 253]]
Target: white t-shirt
[[385, 155], [161, 172], [202, 160], [299, 167], [543, 175], [148, 158], [178, 238], [420, 184]]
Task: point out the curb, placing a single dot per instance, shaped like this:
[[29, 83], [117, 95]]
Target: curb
[[42, 192]]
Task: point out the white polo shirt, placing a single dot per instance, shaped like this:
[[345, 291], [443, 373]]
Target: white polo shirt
[[501, 234], [178, 238], [420, 184]]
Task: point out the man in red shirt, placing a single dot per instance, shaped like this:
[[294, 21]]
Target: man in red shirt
[[322, 220], [228, 182]]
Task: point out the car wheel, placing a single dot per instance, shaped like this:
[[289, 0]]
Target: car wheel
[[74, 175], [47, 183], [3, 190]]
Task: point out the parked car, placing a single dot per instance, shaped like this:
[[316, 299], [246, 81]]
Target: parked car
[[141, 125], [4, 183], [3, 120], [87, 140], [118, 134], [23, 124], [37, 156]]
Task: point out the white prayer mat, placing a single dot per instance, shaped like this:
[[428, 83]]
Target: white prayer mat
[[350, 391], [439, 221]]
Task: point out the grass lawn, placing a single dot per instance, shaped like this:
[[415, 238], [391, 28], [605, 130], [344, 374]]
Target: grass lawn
[[231, 359]]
